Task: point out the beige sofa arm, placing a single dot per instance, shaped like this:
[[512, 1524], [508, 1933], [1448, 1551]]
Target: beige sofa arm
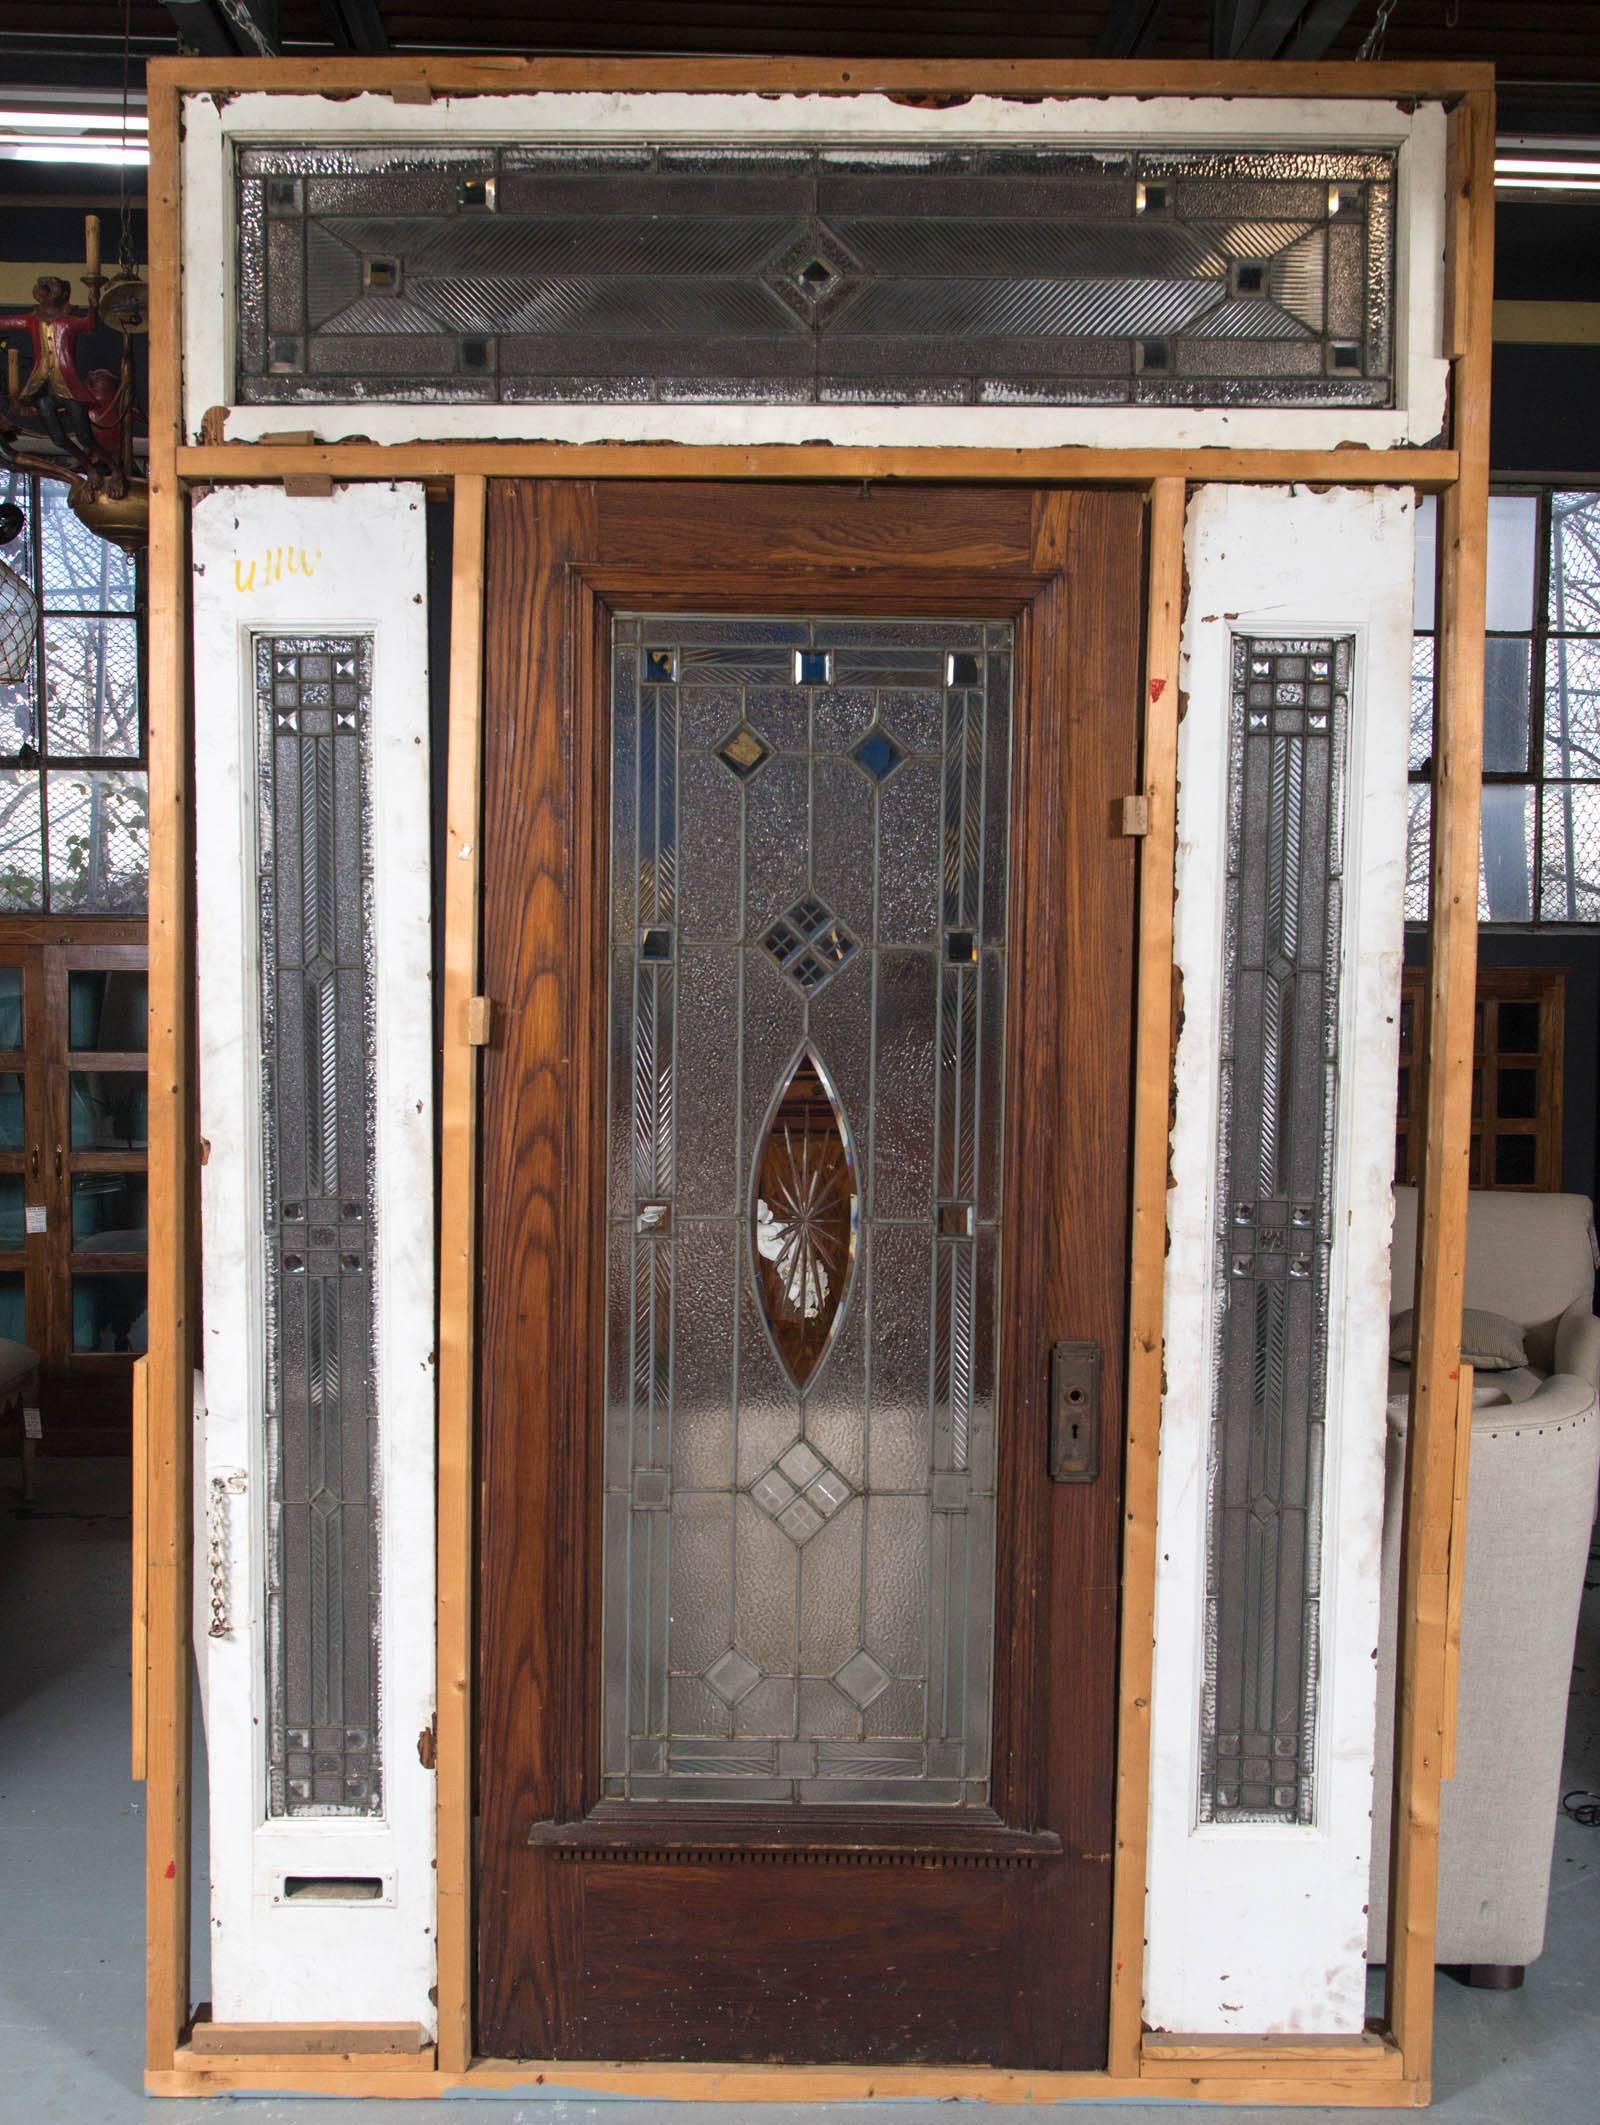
[[1578, 1343]]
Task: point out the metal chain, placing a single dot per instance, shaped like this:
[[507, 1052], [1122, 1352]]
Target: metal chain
[[219, 1559], [1371, 45]]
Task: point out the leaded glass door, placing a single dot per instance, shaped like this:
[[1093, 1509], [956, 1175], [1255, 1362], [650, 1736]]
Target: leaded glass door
[[810, 936], [810, 835]]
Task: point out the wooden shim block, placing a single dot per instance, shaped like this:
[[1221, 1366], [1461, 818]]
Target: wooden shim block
[[478, 1027], [372, 2046], [1455, 1584], [316, 485], [1135, 812], [140, 1630]]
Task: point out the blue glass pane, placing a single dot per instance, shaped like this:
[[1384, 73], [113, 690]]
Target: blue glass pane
[[10, 1007], [13, 1307], [11, 1227]]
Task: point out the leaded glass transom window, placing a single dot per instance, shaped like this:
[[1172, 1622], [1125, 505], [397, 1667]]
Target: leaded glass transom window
[[793, 274], [810, 820]]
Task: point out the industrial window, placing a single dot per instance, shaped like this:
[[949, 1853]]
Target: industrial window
[[74, 798], [1540, 850]]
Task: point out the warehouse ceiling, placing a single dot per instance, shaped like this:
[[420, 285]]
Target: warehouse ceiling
[[1547, 52]]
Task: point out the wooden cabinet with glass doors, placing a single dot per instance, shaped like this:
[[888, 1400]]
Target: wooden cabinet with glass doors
[[73, 1170]]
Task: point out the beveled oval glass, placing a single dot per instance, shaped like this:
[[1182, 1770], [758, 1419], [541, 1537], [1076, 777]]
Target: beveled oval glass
[[804, 1216]]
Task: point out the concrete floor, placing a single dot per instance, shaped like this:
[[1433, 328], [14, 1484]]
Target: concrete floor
[[72, 1866]]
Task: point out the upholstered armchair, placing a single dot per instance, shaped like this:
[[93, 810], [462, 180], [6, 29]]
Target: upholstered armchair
[[1531, 1496]]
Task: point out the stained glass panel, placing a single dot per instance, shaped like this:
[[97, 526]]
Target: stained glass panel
[[313, 697], [862, 274], [805, 1189], [1276, 1214]]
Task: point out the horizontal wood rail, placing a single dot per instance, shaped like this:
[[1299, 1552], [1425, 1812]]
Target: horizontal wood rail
[[1427, 470], [504, 74]]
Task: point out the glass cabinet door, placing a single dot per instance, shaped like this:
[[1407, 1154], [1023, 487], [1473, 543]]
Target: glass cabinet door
[[101, 1164]]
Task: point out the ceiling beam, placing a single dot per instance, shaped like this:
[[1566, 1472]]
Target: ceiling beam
[[1319, 26], [225, 29], [1131, 27], [1231, 23], [355, 25]]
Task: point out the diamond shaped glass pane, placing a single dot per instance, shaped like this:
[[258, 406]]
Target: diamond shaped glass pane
[[877, 754]]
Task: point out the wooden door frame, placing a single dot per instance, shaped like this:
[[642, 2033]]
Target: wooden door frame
[[1066, 568], [1392, 2066]]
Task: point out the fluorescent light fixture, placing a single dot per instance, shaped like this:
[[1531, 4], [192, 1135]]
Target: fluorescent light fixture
[[51, 134], [1548, 184], [1533, 164]]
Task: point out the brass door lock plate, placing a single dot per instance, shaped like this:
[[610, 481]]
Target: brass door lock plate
[[1075, 1412]]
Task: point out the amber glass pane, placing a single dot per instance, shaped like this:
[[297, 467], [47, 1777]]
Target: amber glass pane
[[804, 1221]]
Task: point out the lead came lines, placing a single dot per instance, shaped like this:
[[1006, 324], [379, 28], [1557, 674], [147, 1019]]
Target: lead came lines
[[801, 1219]]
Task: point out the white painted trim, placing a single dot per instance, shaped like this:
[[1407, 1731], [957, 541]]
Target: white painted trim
[[209, 232], [1255, 1928], [367, 556]]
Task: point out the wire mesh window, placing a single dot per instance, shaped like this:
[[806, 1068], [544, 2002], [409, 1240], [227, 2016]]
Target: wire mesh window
[[74, 798], [1539, 860]]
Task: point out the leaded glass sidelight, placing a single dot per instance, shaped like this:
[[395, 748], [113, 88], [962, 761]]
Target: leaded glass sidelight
[[808, 931], [1289, 709], [313, 716]]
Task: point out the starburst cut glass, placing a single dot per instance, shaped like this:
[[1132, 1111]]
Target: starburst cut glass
[[804, 1220]]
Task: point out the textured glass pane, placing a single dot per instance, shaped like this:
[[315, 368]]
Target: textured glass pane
[[1572, 707], [1505, 876], [108, 1314], [1425, 590], [1507, 664], [1570, 852], [81, 572], [91, 688], [21, 843], [968, 277], [1513, 561], [99, 841], [1422, 656], [803, 1191], [10, 1007], [109, 1110], [1419, 810], [1574, 600], [108, 1008], [19, 710], [1287, 734], [108, 1213]]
